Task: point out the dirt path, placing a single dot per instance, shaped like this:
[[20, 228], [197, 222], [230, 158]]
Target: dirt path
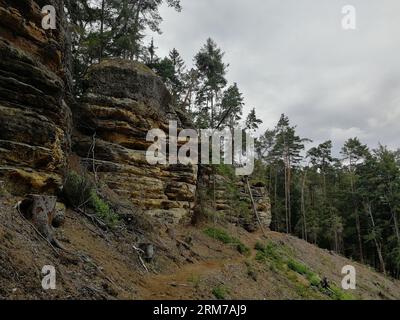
[[183, 282]]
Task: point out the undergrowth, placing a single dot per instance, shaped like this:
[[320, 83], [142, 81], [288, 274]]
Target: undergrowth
[[224, 237], [279, 258]]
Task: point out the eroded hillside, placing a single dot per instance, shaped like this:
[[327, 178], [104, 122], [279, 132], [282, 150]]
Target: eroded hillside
[[203, 262]]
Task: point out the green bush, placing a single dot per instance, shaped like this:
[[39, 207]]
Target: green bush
[[79, 191], [102, 210], [220, 292], [219, 235], [243, 249], [259, 247]]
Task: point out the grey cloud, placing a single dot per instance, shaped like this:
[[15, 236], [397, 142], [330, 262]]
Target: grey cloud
[[293, 57]]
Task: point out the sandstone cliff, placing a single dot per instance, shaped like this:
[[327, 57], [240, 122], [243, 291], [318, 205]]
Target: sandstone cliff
[[35, 119], [121, 103]]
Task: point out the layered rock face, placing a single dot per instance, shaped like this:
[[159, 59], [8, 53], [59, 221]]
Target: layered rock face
[[35, 119], [122, 101]]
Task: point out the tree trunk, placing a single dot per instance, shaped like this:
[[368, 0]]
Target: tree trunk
[[40, 210], [377, 243], [277, 227], [396, 224], [303, 207], [289, 197], [286, 202], [358, 226], [357, 216]]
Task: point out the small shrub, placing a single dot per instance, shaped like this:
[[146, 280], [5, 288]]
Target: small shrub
[[243, 249], [259, 247], [261, 257], [103, 210], [76, 189], [219, 235], [79, 191], [220, 292]]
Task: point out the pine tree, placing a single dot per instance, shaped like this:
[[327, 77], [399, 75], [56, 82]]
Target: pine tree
[[211, 71], [178, 81], [353, 151], [252, 122], [287, 148], [231, 107], [111, 28]]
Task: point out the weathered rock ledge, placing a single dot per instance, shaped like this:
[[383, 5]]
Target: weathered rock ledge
[[35, 119], [122, 101]]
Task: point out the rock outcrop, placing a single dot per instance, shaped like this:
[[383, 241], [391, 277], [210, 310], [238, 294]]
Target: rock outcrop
[[35, 119], [233, 201], [107, 128], [122, 101]]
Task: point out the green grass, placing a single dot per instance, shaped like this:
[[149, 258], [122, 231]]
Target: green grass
[[339, 294], [299, 268], [312, 277], [315, 280], [220, 292], [224, 237]]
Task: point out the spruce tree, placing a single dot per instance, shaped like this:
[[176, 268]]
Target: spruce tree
[[211, 71]]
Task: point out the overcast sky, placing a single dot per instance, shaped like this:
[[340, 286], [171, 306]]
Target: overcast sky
[[293, 57]]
